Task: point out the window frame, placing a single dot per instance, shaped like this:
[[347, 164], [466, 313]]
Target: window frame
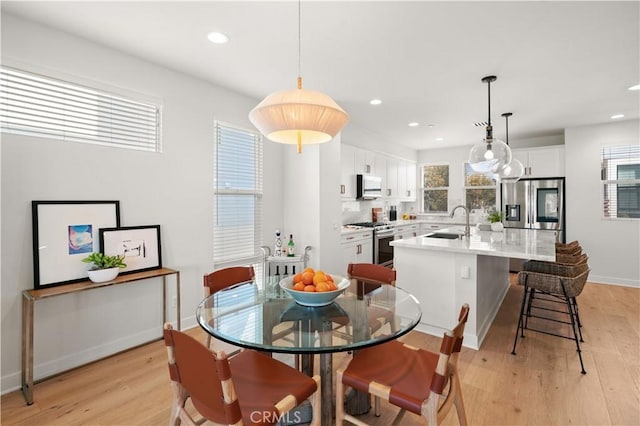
[[495, 187], [628, 154], [424, 188]]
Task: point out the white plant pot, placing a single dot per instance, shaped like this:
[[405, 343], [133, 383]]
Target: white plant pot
[[102, 275], [497, 226]]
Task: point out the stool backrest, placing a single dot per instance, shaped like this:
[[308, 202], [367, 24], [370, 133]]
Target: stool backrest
[[227, 277]]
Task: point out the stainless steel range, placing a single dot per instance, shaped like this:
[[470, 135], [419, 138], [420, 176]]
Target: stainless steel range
[[382, 236]]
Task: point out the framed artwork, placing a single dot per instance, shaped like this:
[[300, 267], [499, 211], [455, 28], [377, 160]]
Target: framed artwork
[[65, 232], [140, 246]]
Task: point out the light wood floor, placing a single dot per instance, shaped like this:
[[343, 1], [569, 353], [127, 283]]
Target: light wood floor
[[541, 385]]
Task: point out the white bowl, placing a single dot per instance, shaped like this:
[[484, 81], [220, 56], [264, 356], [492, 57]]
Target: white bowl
[[306, 298]]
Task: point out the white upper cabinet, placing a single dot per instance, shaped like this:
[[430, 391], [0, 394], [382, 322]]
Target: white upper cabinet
[[546, 161], [365, 162], [392, 178], [347, 171], [398, 176], [406, 181], [380, 166]]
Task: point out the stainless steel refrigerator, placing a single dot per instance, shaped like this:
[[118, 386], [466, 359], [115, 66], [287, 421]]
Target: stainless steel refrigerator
[[534, 204]]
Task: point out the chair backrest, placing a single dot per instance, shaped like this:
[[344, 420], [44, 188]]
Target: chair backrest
[[449, 351], [204, 375], [573, 248], [372, 273], [227, 277]]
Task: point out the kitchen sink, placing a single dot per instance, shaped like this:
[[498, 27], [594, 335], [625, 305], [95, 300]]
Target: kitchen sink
[[443, 235]]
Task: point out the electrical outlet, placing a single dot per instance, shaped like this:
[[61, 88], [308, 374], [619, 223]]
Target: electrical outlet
[[174, 302]]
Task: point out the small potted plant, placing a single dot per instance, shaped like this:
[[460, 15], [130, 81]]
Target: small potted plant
[[104, 267], [495, 218]]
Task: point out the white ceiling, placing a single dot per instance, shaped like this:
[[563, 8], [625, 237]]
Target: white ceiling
[[559, 64]]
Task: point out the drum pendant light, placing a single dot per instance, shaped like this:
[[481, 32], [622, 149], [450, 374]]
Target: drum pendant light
[[298, 116], [513, 171], [492, 154]]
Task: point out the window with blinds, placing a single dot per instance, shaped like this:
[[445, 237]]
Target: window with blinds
[[480, 189], [40, 106], [620, 174], [237, 217]]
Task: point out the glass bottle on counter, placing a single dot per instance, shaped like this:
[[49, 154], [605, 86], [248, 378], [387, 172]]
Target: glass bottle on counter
[[291, 246]]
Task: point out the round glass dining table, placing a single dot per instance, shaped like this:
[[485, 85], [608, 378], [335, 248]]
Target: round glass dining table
[[365, 315]]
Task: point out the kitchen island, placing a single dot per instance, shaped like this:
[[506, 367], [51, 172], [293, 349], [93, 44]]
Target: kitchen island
[[444, 273]]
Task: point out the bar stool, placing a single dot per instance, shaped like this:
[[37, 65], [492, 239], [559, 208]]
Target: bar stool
[[560, 283]]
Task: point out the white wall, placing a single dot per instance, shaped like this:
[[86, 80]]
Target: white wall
[[613, 245], [173, 189]]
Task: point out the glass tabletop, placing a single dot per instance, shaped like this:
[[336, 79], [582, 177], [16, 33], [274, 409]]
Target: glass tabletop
[[365, 315]]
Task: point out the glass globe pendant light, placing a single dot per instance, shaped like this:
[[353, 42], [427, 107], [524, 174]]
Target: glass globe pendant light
[[492, 154], [512, 171]]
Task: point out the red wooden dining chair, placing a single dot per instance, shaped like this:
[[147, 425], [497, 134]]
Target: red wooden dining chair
[[219, 280], [414, 379], [250, 388]]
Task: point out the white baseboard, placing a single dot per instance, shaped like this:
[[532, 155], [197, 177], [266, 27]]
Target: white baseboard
[[600, 279]]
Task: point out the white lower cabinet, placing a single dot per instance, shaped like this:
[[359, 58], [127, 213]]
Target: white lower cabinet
[[406, 231], [357, 247]]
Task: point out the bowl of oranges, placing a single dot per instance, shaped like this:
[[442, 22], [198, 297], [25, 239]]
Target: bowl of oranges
[[314, 287]]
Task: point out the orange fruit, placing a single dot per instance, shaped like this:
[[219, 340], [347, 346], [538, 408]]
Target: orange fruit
[[319, 277], [332, 286], [310, 288], [308, 270], [297, 278], [298, 286], [322, 286], [307, 278], [329, 277]]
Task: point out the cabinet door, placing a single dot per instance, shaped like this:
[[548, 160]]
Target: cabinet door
[[541, 162], [364, 251], [348, 256], [392, 178], [380, 166], [402, 179], [364, 162], [411, 181], [546, 162], [347, 171]]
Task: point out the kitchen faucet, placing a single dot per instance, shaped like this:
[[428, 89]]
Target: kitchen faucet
[[467, 230]]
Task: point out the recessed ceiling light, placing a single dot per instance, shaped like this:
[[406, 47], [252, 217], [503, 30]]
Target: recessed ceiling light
[[431, 125], [217, 38], [375, 101], [414, 124], [636, 87], [615, 116], [439, 139]]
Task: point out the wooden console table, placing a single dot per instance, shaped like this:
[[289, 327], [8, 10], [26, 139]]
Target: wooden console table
[[30, 296]]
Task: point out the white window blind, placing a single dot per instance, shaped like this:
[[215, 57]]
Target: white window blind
[[238, 196], [36, 105], [620, 175]]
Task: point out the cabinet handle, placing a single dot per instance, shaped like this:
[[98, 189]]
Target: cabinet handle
[[359, 249], [350, 238], [388, 192], [408, 193], [342, 189], [368, 168]]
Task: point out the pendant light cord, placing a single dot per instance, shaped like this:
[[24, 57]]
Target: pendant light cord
[[489, 97], [299, 48]]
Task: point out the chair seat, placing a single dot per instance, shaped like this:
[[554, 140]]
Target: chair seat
[[251, 370], [406, 371]]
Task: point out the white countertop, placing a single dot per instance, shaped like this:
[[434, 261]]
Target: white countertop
[[516, 243]]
